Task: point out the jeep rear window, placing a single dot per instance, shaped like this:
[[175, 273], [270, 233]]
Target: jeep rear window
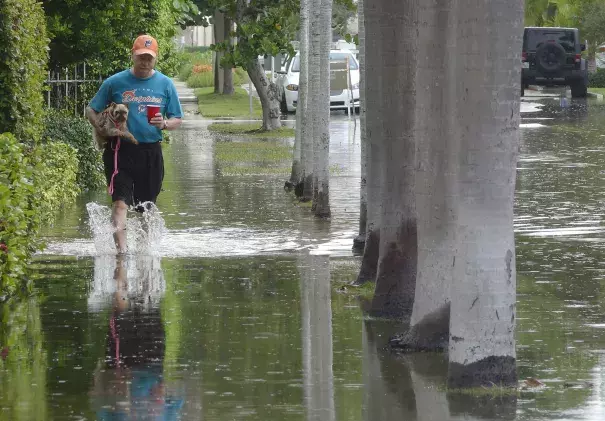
[[534, 39]]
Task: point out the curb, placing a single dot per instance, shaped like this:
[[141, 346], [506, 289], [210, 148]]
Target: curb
[[595, 95]]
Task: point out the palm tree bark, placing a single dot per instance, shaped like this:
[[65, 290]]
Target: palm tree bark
[[312, 114], [395, 24], [436, 187], [228, 88], [218, 38], [321, 200], [359, 241], [483, 296], [298, 162], [370, 124]]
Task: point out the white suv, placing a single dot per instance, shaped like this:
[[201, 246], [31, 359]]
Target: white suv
[[287, 81]]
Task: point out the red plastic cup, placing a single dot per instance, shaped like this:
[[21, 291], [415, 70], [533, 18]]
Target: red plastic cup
[[152, 110]]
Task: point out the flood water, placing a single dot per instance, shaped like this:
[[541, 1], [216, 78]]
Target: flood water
[[234, 316]]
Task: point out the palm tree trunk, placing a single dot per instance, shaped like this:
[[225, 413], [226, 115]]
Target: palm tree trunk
[[218, 37], [228, 88], [373, 124], [396, 25], [298, 164], [321, 202], [359, 242], [483, 296], [313, 92], [436, 187]]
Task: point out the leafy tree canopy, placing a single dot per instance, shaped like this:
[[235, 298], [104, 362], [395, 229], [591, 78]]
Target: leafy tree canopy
[[101, 32], [586, 15]]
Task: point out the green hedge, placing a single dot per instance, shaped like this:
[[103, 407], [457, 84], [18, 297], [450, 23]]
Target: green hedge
[[185, 71], [18, 218], [23, 59], [206, 79], [33, 186], [55, 178], [76, 131], [201, 80], [189, 59], [597, 79], [191, 49]]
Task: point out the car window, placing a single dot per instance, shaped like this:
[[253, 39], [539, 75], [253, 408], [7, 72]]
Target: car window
[[343, 57], [535, 39], [333, 56]]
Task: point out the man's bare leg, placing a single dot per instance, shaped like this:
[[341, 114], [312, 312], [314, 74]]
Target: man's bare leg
[[118, 218]]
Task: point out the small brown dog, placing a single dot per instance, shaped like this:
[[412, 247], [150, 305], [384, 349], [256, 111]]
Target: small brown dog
[[111, 123]]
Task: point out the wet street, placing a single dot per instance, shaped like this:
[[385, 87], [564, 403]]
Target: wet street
[[234, 318]]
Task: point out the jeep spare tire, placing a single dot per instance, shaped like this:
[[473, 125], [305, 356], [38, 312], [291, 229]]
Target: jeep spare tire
[[550, 57]]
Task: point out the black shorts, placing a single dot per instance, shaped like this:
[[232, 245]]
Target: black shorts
[[140, 172]]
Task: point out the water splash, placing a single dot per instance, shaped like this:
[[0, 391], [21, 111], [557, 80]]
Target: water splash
[[99, 221], [144, 231]]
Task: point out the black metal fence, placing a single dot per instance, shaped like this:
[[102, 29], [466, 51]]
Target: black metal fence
[[71, 88]]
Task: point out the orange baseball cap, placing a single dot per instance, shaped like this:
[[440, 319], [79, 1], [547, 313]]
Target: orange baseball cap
[[145, 44]]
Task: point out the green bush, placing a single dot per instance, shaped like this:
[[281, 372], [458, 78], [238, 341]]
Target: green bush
[[191, 49], [597, 79], [199, 58], [206, 79], [23, 59], [55, 178], [201, 80], [240, 77], [19, 222], [185, 71], [76, 132], [33, 186], [188, 60]]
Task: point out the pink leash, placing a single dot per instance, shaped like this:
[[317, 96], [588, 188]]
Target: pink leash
[[115, 164]]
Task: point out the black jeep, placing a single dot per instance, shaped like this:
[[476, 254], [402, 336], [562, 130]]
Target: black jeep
[[552, 57]]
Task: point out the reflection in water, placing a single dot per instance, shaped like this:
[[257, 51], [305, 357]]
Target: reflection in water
[[230, 311], [22, 362], [316, 312], [129, 383], [412, 387]]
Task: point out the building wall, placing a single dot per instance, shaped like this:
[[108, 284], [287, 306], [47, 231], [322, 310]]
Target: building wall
[[197, 36]]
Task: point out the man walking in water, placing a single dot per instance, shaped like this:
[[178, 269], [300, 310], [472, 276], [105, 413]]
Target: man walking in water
[[134, 173]]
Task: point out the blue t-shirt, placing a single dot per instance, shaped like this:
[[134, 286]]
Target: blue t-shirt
[[137, 93]]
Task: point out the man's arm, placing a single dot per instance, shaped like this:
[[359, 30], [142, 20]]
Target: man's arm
[[92, 116], [165, 124], [172, 123], [99, 102]]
